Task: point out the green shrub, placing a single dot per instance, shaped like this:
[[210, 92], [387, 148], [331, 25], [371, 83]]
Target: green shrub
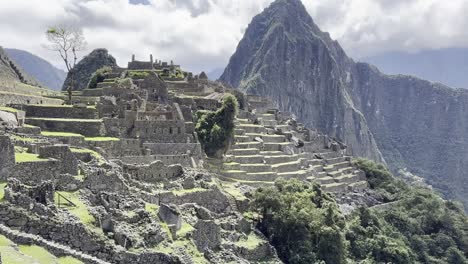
[[216, 129], [137, 74], [99, 76]]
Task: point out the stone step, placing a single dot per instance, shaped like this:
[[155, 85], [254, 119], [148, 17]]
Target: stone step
[[343, 171], [267, 116], [328, 154], [276, 146], [239, 132], [358, 186], [315, 162], [272, 153], [337, 166], [348, 178], [267, 138], [249, 128], [235, 174], [288, 166], [281, 159], [335, 160], [247, 145], [299, 174], [269, 123], [335, 187], [262, 176], [256, 167], [322, 180], [241, 138], [246, 158], [243, 152], [231, 166]]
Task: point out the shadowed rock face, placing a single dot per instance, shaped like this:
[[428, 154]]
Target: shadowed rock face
[[403, 120], [84, 69]]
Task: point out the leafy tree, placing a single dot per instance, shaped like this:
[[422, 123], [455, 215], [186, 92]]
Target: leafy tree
[[216, 129], [99, 76], [67, 41]]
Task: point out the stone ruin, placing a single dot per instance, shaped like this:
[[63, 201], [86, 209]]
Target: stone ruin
[[127, 158]]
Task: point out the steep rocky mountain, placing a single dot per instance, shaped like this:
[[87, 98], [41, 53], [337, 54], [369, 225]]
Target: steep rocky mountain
[[47, 74], [447, 66], [84, 69], [10, 71], [408, 122]]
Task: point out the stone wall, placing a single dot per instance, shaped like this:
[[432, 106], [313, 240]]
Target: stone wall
[[7, 157], [91, 128], [68, 161], [174, 148], [161, 131], [182, 159], [154, 172], [35, 172], [57, 112]]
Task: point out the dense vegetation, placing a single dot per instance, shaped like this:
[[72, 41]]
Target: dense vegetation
[[215, 129], [99, 76], [415, 226]]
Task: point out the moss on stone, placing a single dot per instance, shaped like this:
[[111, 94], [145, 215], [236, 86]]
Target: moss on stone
[[252, 242], [2, 191]]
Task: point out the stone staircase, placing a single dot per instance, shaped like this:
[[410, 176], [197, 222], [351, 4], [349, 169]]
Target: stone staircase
[[57, 249], [260, 155]]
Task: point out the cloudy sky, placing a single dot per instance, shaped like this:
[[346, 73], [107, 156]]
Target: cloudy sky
[[202, 34]]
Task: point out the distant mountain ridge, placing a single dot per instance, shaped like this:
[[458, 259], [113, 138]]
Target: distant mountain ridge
[[448, 66], [47, 74], [408, 122]]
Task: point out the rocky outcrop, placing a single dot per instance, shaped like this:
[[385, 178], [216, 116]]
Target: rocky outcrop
[[84, 69], [40, 69], [402, 120]]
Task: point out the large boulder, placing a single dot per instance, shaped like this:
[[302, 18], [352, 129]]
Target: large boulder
[[97, 59]]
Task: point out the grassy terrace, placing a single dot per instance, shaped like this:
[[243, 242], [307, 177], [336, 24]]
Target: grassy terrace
[[66, 120], [27, 157], [100, 139], [60, 134], [8, 109], [21, 254], [62, 106]]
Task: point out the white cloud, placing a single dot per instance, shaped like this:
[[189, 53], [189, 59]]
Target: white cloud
[[202, 34]]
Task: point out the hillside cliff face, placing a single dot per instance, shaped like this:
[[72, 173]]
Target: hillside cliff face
[[405, 121], [285, 57], [12, 72], [84, 69], [40, 69]]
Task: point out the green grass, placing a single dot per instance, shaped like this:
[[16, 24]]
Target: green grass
[[251, 242], [8, 109], [68, 260], [184, 230], [27, 157], [80, 211], [40, 254], [152, 208], [101, 139], [60, 134]]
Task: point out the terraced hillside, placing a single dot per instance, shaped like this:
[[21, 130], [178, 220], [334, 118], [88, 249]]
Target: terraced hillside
[[268, 147]]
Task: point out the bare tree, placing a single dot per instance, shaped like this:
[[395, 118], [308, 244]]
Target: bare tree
[[67, 41]]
